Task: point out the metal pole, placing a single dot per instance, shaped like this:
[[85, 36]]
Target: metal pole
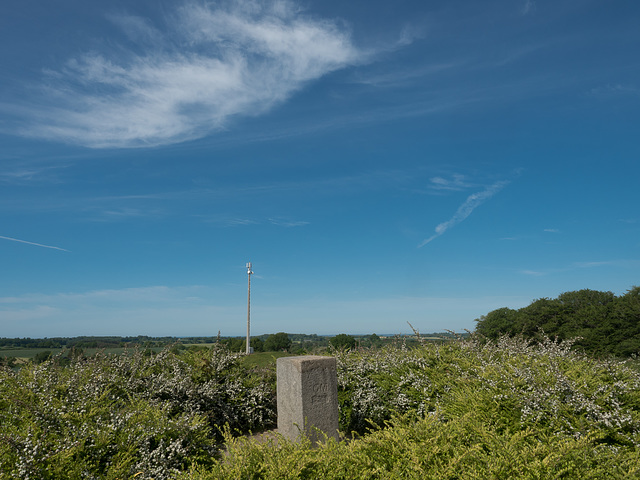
[[249, 272]]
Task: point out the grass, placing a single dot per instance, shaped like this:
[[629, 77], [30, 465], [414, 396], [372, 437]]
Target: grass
[[262, 359], [26, 353]]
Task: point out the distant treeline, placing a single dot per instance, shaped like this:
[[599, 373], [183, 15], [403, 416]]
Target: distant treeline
[[292, 342], [301, 343], [606, 324], [95, 342]]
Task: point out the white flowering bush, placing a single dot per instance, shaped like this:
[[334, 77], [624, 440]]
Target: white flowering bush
[[374, 384], [547, 385], [515, 382], [464, 409], [119, 416]]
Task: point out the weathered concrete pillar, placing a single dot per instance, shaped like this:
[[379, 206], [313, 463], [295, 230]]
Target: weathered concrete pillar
[[307, 397]]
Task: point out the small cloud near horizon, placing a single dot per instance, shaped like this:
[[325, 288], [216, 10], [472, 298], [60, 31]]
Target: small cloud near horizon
[[280, 222], [532, 273]]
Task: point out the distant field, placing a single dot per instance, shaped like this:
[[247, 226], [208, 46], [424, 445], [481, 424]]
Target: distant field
[[262, 359], [29, 353], [26, 352]]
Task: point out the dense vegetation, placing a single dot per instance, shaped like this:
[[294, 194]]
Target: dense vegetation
[[111, 416], [510, 409], [17, 351], [343, 341], [464, 409], [603, 323], [303, 343]]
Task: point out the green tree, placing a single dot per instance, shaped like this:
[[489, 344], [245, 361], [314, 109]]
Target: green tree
[[375, 340], [277, 342], [502, 321], [601, 323], [42, 356], [9, 362], [342, 342], [258, 344], [625, 321]]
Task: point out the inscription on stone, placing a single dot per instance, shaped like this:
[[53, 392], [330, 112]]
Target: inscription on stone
[[320, 388], [318, 398], [307, 397]]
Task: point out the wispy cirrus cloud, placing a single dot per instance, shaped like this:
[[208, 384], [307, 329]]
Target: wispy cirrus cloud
[[456, 183], [208, 64], [615, 90], [33, 243], [284, 222], [533, 273], [237, 221], [625, 264], [470, 204], [528, 7], [21, 172]]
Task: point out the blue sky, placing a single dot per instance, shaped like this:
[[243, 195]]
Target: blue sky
[[378, 162]]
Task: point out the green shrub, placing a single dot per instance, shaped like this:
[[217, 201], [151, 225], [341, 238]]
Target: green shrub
[[342, 341], [508, 409], [115, 416], [465, 447], [527, 384], [466, 409]]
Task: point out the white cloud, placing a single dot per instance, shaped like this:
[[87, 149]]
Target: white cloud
[[594, 264], [464, 210], [33, 243], [283, 222], [456, 183], [623, 264], [614, 90], [140, 294], [199, 310], [211, 64], [234, 222], [529, 7], [138, 29], [533, 273], [155, 310]]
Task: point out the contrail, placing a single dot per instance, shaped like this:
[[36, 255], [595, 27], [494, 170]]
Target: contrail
[[32, 243], [465, 209]]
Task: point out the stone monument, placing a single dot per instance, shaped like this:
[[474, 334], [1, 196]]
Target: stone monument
[[307, 397]]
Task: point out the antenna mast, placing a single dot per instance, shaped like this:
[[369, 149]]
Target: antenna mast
[[249, 273]]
